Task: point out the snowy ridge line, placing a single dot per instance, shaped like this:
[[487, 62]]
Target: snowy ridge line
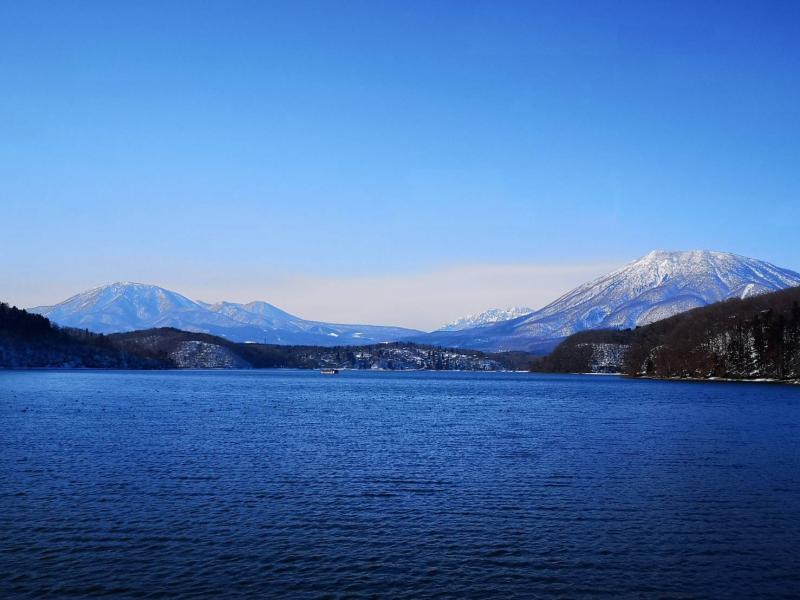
[[652, 288]]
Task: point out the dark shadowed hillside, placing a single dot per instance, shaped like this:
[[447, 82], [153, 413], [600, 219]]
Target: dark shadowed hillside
[[29, 340], [197, 350], [595, 351], [757, 337]]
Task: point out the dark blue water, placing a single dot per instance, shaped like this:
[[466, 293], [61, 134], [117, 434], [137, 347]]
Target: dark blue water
[[291, 484]]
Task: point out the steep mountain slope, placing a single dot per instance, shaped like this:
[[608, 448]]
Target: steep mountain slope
[[651, 288], [129, 306], [487, 317]]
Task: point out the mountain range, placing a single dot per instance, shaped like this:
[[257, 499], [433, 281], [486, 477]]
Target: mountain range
[[127, 306], [654, 287]]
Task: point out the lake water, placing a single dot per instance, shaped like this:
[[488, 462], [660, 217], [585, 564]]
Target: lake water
[[289, 484]]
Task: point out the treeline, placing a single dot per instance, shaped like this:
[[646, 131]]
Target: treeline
[[409, 355], [753, 338], [577, 354], [160, 344], [30, 340], [19, 323], [757, 337]]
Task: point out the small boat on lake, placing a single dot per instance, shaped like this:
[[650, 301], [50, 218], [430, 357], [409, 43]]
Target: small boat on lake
[[330, 371]]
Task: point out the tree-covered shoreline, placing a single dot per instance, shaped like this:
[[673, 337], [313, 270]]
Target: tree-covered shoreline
[[740, 339]]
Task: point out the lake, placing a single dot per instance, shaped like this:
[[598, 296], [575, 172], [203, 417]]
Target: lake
[[289, 484]]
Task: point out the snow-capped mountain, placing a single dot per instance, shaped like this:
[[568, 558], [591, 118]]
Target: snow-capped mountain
[[487, 317], [129, 306], [651, 288], [654, 287], [126, 306]]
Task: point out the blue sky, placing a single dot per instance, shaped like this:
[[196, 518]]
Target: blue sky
[[225, 148]]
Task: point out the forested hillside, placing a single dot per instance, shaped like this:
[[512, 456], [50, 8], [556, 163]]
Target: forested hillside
[[30, 340], [198, 350], [757, 337]]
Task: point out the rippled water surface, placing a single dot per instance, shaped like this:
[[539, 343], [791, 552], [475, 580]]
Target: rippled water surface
[[412, 485]]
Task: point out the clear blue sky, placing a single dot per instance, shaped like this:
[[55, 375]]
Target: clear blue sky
[[152, 140]]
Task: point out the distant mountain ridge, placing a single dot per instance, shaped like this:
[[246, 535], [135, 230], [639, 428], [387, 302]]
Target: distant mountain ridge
[[487, 317], [128, 306], [654, 287]]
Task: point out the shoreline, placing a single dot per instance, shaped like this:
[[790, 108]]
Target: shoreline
[[304, 369], [715, 379], [312, 369], [685, 379]]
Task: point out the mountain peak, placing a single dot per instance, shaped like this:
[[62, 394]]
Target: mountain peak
[[130, 284], [126, 306], [127, 287], [656, 286], [684, 255]]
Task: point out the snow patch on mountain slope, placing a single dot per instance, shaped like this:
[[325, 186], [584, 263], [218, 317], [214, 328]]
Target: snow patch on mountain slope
[[487, 317]]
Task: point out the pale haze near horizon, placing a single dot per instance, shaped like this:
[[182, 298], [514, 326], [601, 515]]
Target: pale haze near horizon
[[424, 300]]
